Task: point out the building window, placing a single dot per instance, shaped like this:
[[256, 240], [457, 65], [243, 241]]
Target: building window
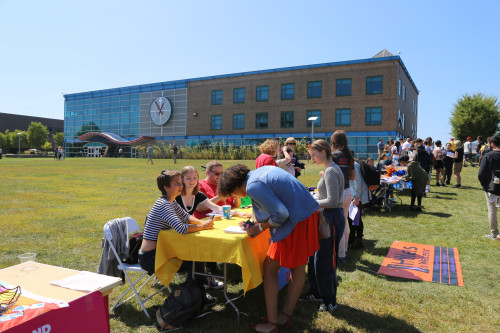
[[399, 89], [373, 85], [216, 97], [261, 120], [343, 117], [314, 89], [262, 94], [288, 91], [404, 93], [344, 87], [287, 119], [239, 121], [373, 116], [239, 95], [216, 122], [314, 113]]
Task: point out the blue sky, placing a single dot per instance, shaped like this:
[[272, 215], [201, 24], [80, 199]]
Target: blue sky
[[52, 47]]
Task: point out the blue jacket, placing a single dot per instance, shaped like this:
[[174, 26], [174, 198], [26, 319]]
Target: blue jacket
[[280, 199]]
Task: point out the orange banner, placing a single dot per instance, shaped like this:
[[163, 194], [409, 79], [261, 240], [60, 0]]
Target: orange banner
[[423, 262]]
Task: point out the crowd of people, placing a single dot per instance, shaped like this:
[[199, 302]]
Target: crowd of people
[[282, 204]]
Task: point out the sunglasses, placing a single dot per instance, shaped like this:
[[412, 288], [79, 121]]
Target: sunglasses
[[216, 173], [292, 143]]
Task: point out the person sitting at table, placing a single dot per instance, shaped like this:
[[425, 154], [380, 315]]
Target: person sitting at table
[[208, 186], [167, 214], [191, 200], [322, 266], [418, 177], [269, 149], [282, 204]]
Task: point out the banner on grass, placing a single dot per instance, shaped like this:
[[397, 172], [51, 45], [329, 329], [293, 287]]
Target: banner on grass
[[423, 262]]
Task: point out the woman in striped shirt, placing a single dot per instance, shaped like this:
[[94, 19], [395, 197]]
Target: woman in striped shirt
[[166, 214]]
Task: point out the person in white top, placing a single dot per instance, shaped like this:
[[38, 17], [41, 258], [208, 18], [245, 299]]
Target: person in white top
[[407, 144], [396, 152], [468, 151]]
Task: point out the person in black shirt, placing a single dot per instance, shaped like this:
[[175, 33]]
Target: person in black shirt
[[448, 163], [174, 153], [488, 171], [457, 165]]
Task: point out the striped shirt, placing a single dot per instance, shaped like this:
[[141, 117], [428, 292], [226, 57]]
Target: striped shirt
[[163, 216]]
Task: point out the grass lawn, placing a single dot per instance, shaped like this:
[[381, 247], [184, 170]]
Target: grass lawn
[[58, 208]]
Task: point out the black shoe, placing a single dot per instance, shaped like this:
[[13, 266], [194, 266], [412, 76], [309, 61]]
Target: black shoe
[[437, 184], [412, 208], [458, 185], [209, 302], [213, 283], [443, 185], [419, 209], [447, 183]]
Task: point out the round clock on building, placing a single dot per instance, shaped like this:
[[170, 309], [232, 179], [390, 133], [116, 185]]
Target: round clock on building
[[160, 110]]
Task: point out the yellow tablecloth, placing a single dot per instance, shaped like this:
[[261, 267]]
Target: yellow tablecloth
[[213, 246]]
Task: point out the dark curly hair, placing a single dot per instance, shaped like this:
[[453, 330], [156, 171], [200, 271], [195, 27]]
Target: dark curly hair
[[231, 179]]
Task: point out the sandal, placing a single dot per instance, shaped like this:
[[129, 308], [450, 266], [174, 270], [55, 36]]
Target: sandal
[[287, 323], [275, 327]]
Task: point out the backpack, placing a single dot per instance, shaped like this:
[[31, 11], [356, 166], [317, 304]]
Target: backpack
[[370, 175], [180, 307], [134, 244]]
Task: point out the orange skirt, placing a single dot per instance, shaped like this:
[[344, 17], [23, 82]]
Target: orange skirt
[[302, 243]]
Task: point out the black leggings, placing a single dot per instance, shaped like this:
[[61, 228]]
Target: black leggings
[[356, 231], [413, 196]]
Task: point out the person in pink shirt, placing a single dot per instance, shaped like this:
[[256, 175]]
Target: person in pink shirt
[[208, 186]]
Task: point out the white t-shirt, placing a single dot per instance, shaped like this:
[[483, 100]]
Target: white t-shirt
[[406, 145], [468, 147], [395, 153]]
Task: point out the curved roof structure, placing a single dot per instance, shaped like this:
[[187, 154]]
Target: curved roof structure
[[112, 138]]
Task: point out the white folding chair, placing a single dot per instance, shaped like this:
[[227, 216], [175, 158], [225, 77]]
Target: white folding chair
[[132, 227]]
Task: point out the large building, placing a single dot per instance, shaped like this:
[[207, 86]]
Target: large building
[[369, 98], [14, 122]]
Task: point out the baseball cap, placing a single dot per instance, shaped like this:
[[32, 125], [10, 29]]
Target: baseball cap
[[468, 138], [452, 139]]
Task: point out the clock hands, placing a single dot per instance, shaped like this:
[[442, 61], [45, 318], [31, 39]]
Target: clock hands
[[159, 108]]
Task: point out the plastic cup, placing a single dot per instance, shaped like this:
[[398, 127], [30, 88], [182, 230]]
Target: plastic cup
[[27, 257], [226, 211]]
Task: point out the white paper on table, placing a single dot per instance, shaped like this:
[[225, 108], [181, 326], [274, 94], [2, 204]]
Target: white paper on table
[[353, 210], [234, 229], [85, 281]]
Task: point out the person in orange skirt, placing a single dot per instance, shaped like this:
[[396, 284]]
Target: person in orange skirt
[[282, 204]]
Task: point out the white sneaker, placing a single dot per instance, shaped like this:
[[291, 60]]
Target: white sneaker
[[213, 283], [393, 200]]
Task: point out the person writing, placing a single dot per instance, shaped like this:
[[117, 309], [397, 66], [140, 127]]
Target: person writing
[[418, 177], [282, 204]]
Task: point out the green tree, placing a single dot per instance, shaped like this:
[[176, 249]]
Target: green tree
[[58, 138], [47, 146], [14, 139], [475, 115], [37, 134]]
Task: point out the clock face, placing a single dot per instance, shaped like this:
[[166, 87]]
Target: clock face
[[160, 110]]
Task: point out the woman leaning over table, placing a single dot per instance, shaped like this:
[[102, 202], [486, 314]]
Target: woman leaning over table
[[321, 269], [281, 203]]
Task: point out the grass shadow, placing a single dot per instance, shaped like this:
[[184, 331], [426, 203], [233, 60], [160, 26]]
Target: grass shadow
[[370, 322], [445, 193], [372, 269]]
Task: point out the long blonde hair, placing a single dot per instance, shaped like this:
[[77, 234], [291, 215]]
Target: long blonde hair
[[187, 169]]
